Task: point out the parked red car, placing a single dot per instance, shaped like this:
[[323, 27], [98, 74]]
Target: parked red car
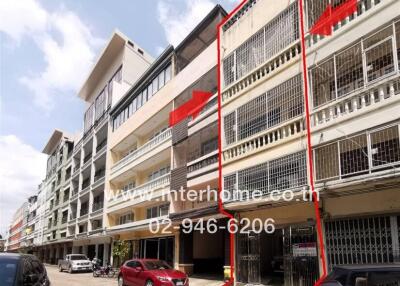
[[150, 272]]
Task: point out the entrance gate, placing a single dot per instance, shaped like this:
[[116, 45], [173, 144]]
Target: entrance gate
[[300, 259]]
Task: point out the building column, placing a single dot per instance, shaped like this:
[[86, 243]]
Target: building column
[[186, 252], [106, 255], [85, 249]]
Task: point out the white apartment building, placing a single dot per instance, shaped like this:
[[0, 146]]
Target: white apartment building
[[354, 102]]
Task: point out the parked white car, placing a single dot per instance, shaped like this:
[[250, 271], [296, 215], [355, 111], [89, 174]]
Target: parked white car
[[75, 262]]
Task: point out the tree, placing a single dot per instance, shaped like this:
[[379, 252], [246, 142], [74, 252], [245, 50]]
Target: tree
[[120, 250]]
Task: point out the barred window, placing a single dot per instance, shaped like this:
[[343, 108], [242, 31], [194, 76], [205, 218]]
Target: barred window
[[326, 162], [288, 172], [314, 9], [279, 33], [228, 65], [100, 104], [323, 82], [88, 119], [254, 178], [250, 54], [385, 146], [285, 101], [354, 155], [230, 128], [252, 117], [278, 105], [379, 54], [349, 69]]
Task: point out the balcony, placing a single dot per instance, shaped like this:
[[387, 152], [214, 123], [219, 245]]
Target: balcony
[[85, 185], [87, 160], [101, 145], [363, 7], [358, 157], [64, 219], [76, 171], [72, 218], [203, 165], [142, 150], [74, 195], [145, 192]]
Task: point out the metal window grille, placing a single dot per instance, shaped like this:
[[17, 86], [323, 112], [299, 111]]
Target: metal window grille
[[314, 9], [254, 178], [252, 117], [285, 101], [230, 127], [280, 174], [250, 54], [345, 72], [278, 105], [288, 172], [229, 69], [349, 70], [230, 183], [323, 82], [379, 54], [327, 162], [385, 146], [280, 32], [361, 240], [354, 155]]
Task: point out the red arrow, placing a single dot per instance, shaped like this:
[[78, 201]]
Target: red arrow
[[192, 107], [331, 16]]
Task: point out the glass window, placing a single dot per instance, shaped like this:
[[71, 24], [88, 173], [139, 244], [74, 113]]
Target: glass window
[[167, 73], [144, 96], [139, 101], [164, 210], [8, 270], [149, 91], [161, 79], [155, 85]]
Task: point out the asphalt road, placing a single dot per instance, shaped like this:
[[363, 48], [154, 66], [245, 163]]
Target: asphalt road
[[77, 279]]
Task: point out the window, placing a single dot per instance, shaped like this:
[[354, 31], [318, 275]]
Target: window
[[144, 96], [168, 74], [277, 105], [157, 211], [149, 91], [155, 85], [100, 104], [161, 79], [280, 32], [126, 218]]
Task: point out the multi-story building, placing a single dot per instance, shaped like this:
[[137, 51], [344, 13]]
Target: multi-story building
[[149, 159], [118, 67], [354, 88], [16, 231]]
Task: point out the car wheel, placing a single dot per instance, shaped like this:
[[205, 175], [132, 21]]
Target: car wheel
[[60, 268], [70, 270], [149, 283], [121, 281]]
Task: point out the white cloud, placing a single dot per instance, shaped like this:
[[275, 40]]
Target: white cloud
[[68, 46], [178, 24], [21, 170]]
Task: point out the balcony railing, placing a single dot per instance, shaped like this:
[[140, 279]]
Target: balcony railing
[[87, 158], [142, 191], [101, 145], [99, 174], [64, 219], [97, 206], [362, 7], [164, 136], [202, 162], [83, 212], [72, 216], [85, 183], [357, 155]]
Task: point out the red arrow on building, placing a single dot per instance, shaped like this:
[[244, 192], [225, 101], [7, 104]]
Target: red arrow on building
[[333, 15], [192, 107]]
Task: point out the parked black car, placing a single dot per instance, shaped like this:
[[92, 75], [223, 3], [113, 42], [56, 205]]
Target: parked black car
[[22, 270], [364, 275]]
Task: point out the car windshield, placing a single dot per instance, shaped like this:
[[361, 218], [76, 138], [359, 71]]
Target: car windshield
[[8, 269], [78, 257], [156, 265]]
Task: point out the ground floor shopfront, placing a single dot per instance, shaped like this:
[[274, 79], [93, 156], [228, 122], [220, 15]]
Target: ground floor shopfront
[[359, 228]]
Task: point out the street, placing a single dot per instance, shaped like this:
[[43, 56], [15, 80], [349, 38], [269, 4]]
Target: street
[[77, 279]]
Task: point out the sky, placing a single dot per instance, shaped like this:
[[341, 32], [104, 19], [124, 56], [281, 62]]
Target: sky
[[47, 48]]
